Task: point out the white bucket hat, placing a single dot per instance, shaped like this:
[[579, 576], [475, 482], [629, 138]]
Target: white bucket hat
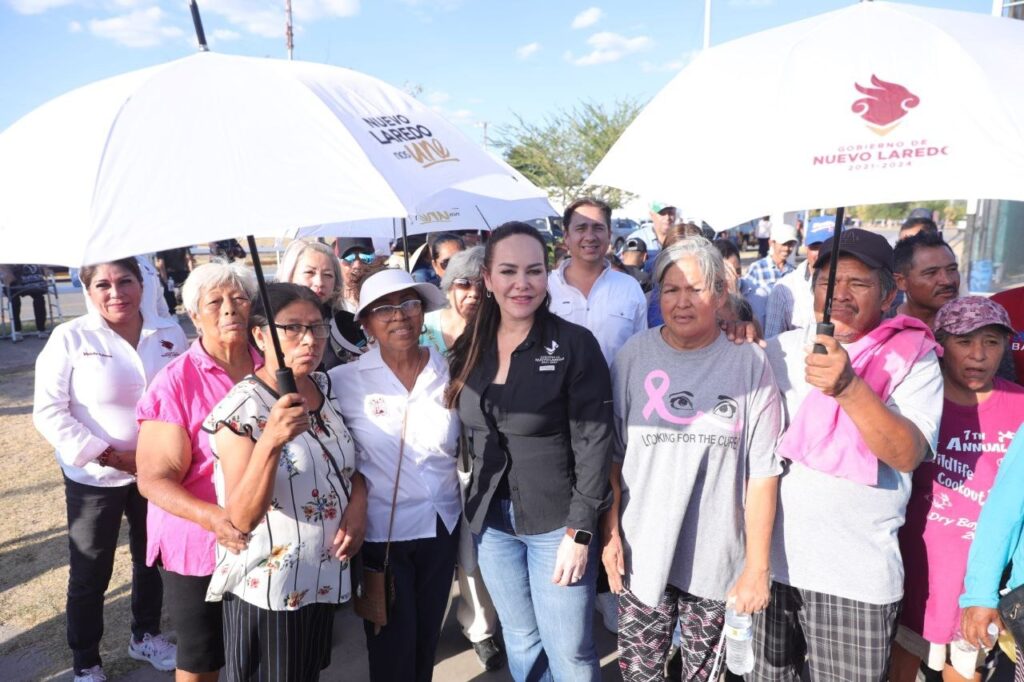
[[396, 279]]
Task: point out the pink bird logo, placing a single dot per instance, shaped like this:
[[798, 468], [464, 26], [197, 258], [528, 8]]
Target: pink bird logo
[[886, 103]]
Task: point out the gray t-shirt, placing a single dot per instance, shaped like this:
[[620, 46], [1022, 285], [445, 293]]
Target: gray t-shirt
[[833, 535], [692, 427]]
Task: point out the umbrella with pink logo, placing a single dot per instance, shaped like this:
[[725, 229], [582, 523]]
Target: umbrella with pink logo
[[920, 104]]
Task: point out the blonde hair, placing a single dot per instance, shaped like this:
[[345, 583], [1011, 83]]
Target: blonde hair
[[292, 256]]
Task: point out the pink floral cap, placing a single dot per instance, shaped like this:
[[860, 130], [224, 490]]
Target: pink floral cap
[[965, 315]]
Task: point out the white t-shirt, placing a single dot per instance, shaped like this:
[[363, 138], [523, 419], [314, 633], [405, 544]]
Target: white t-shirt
[[88, 382], [763, 229], [833, 535], [615, 309]]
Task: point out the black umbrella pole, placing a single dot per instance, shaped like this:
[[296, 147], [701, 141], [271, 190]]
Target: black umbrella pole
[[405, 245], [284, 376], [825, 326], [197, 22]]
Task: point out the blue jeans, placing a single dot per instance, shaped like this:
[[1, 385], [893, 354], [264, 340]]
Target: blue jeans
[[547, 628]]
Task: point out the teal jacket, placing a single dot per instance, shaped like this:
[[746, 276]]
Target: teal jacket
[[998, 539]]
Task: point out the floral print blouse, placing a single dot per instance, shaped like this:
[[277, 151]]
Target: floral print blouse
[[288, 563]]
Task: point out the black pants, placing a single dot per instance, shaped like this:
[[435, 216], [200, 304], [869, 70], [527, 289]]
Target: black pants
[[762, 247], [170, 292], [38, 308], [423, 570], [94, 521]]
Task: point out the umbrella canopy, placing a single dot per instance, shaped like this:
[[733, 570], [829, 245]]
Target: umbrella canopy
[[212, 146], [478, 204], [874, 103]]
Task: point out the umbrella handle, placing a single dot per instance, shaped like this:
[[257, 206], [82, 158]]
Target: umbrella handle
[[826, 328], [285, 381]]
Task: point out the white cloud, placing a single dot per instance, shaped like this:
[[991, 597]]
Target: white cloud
[[587, 17], [140, 28], [74, 27], [437, 97], [610, 47], [527, 51], [223, 35], [37, 6], [670, 65], [266, 18]]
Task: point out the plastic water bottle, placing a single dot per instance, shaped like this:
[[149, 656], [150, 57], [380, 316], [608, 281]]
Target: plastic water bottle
[[739, 645], [965, 646]]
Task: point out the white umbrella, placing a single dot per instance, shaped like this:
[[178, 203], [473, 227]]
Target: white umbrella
[[478, 204], [874, 103], [211, 146]]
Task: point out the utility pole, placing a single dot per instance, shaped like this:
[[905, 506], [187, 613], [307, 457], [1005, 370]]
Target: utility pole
[[288, 36], [484, 124]]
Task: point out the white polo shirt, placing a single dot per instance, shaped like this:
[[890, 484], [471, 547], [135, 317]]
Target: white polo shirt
[[88, 382], [615, 310], [373, 403]]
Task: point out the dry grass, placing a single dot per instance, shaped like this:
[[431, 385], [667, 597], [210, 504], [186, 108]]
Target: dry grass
[[34, 554]]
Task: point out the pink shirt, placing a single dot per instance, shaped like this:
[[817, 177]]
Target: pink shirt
[[184, 393], [946, 500]]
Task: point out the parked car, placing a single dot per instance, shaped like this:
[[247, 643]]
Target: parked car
[[550, 228], [621, 228]]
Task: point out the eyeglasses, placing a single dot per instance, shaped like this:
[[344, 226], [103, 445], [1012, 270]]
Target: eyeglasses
[[294, 332], [388, 312], [366, 258], [465, 283]]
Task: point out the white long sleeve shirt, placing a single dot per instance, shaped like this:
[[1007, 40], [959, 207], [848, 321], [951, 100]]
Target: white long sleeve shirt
[[373, 403], [88, 381], [615, 309]]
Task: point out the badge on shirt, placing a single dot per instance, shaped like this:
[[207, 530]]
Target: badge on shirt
[[549, 361]]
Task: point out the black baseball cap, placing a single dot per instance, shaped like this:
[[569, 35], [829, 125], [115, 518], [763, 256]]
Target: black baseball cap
[[870, 248], [635, 244], [342, 245]]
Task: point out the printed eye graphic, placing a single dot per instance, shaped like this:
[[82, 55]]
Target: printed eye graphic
[[681, 402], [726, 407]]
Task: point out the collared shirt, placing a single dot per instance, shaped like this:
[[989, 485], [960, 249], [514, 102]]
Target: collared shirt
[[374, 403], [183, 394], [88, 381], [551, 434], [791, 303], [615, 309], [762, 275]]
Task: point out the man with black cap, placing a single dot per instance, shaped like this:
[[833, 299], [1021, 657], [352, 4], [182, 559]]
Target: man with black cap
[[854, 436], [633, 256], [356, 255]]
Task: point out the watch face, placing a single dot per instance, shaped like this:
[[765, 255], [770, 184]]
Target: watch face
[[582, 537]]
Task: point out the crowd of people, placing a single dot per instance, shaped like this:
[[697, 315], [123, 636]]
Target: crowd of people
[[646, 433]]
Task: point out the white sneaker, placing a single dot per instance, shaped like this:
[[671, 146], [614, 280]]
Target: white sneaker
[[93, 674], [17, 337], [156, 650], [607, 605], [42, 335]]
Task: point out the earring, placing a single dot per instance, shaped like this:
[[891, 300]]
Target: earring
[[424, 330], [489, 294]]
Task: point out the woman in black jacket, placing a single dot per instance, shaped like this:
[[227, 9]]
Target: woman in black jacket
[[534, 396]]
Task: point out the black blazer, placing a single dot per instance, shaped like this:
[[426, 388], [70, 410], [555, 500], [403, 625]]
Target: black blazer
[[553, 432]]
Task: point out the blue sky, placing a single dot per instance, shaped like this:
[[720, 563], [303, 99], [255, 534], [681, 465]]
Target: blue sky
[[475, 60]]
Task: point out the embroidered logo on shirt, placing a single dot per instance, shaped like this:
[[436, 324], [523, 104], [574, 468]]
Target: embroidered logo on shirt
[[96, 353], [547, 363], [552, 348], [377, 407], [169, 345]]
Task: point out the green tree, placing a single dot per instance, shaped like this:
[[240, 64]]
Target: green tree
[[559, 153]]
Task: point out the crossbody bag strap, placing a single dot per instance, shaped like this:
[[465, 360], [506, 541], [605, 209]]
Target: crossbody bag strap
[[398, 475]]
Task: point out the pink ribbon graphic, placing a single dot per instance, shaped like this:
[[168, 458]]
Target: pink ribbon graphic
[[657, 385]]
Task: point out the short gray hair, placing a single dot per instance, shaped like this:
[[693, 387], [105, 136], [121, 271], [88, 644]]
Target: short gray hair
[[708, 258], [292, 255], [216, 274], [463, 265]]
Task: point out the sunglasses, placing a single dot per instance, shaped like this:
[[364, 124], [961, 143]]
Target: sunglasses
[[367, 258], [465, 283]]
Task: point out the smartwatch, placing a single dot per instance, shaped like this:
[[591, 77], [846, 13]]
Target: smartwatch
[[580, 537]]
